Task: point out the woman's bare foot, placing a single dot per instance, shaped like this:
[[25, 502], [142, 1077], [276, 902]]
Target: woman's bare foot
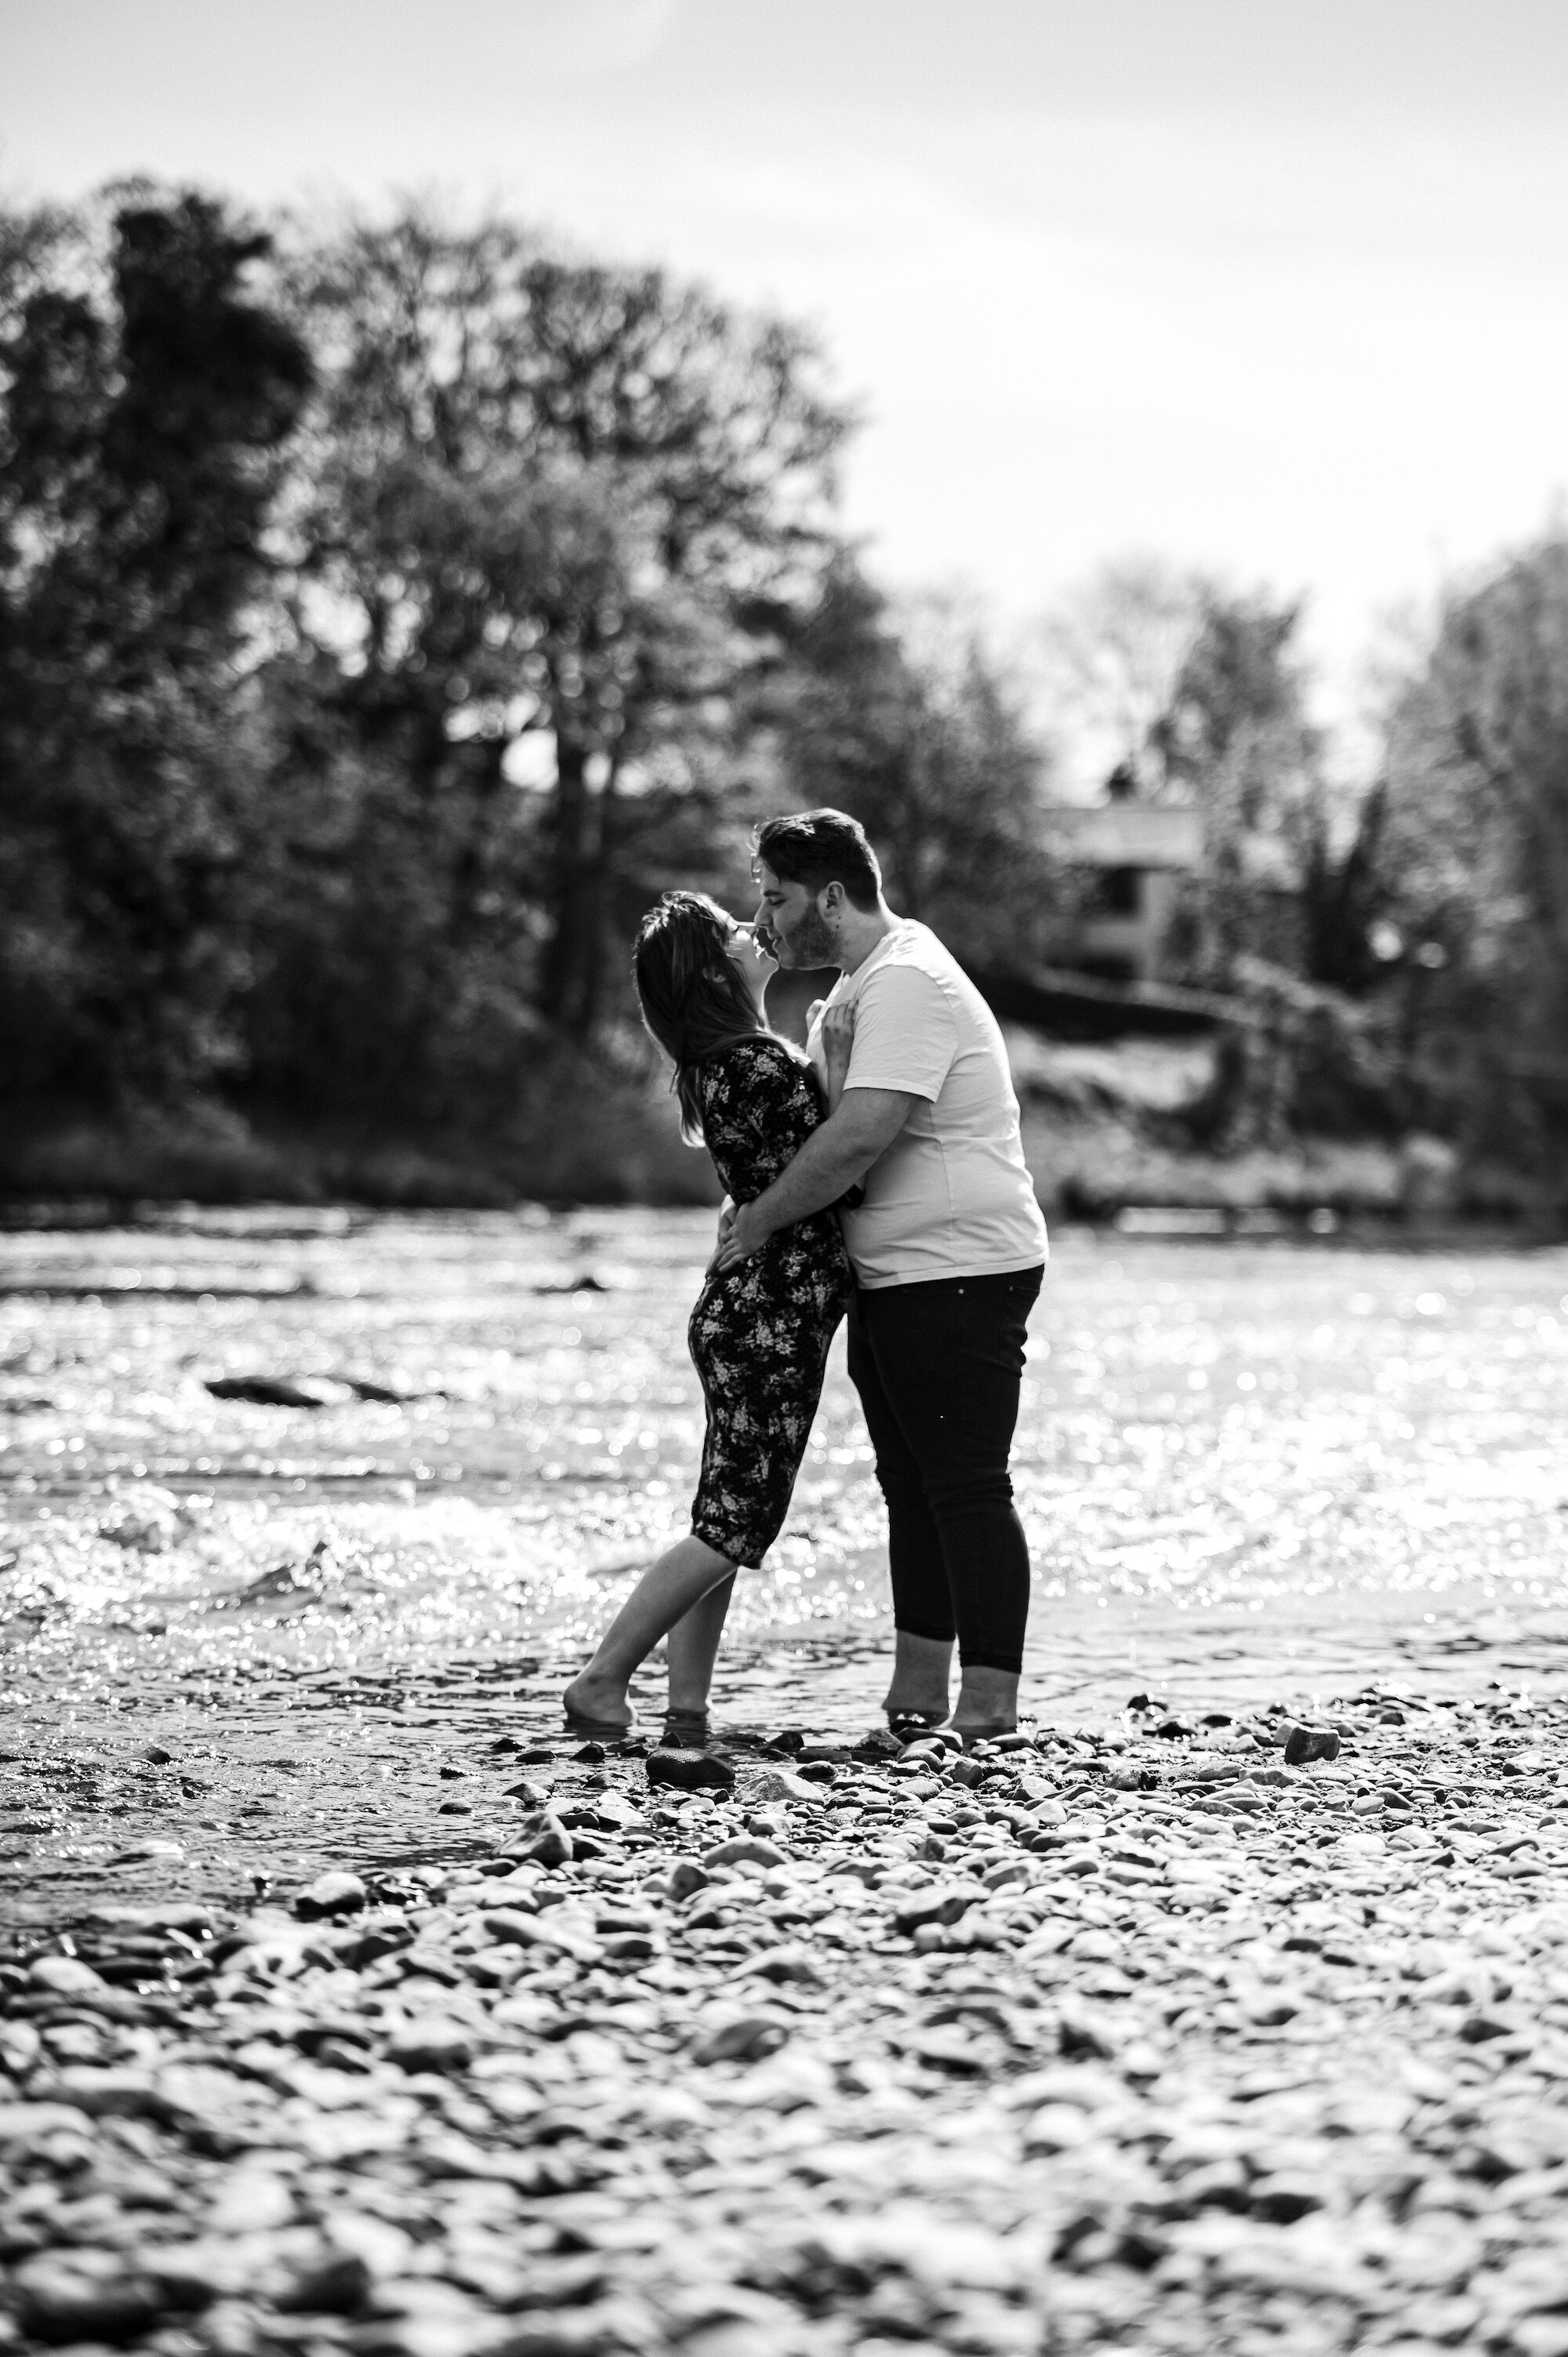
[[987, 1705], [600, 1701], [920, 1684]]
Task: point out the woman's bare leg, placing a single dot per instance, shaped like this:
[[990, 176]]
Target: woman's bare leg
[[920, 1670], [693, 1648], [667, 1591]]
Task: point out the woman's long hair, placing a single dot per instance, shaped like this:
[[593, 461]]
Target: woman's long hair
[[694, 1002]]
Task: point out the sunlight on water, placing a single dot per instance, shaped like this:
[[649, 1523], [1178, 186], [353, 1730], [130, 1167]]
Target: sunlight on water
[[1250, 1430]]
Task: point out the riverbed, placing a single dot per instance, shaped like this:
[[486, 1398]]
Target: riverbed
[[1246, 1471]]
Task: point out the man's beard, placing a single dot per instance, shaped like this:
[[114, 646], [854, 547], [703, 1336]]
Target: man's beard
[[812, 943]]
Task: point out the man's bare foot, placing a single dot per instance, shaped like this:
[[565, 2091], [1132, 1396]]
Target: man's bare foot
[[920, 1684], [598, 1703], [987, 1705]]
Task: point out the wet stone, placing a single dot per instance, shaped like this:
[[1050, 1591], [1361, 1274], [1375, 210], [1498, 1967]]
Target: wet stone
[[1303, 1744], [330, 1894], [543, 1840], [689, 1771]]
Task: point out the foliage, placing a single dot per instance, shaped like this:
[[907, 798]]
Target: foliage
[[1106, 661], [540, 500], [387, 613], [295, 579], [1190, 692], [142, 433], [1472, 853], [904, 719], [1234, 738]]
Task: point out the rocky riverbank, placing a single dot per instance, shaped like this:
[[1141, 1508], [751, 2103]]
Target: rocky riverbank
[[1163, 2037]]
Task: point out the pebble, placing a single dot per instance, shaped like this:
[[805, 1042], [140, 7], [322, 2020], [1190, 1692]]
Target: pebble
[[65, 1976], [1159, 2042], [330, 1894]]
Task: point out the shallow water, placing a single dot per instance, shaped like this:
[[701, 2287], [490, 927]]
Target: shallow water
[[1244, 1470]]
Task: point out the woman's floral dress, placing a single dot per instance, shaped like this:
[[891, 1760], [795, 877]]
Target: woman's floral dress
[[759, 1335]]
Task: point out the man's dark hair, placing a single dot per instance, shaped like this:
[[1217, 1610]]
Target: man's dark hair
[[818, 848]]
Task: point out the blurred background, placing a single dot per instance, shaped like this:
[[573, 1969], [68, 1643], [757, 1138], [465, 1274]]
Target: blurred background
[[457, 472]]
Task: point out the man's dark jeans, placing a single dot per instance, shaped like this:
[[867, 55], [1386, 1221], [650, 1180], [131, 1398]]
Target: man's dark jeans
[[938, 1369]]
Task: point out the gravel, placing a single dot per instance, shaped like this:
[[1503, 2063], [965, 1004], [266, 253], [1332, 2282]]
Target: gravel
[[1145, 2042]]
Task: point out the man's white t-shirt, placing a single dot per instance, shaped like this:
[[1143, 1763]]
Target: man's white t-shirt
[[952, 1196]]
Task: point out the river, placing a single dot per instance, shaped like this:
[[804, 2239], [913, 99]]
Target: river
[[1246, 1470]]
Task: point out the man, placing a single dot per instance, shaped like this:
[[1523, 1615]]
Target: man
[[949, 1250]]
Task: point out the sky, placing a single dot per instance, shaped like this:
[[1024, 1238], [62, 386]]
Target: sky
[[1274, 288]]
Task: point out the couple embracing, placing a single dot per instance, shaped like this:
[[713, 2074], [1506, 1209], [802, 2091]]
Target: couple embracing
[[880, 1175]]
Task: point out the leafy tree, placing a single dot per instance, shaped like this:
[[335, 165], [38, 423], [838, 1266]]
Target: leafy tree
[[549, 497], [1234, 738], [141, 432], [1473, 851], [902, 717]]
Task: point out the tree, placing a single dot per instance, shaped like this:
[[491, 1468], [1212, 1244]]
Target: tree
[[553, 498], [144, 417], [1234, 738], [1106, 662], [901, 716], [1473, 850]]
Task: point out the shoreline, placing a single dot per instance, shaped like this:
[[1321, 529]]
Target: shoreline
[[1103, 1172]]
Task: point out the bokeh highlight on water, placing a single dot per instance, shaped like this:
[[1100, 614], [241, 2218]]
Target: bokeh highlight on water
[[1244, 1470]]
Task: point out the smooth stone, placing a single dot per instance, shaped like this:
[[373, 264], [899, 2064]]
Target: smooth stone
[[544, 1839], [431, 2044], [744, 1849], [68, 2294], [782, 1784], [788, 1963], [943, 1904], [330, 1894], [689, 1771], [64, 1976], [1303, 1744], [743, 2040]]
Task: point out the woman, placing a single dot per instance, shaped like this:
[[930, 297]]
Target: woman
[[758, 1335]]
